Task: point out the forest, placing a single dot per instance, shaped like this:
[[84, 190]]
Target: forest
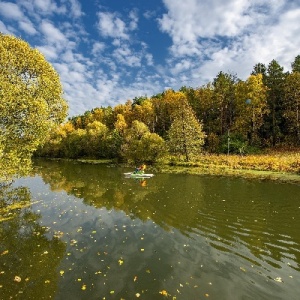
[[227, 115]]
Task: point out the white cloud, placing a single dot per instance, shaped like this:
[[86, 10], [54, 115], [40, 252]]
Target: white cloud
[[97, 48], [52, 34], [125, 56], [45, 5], [3, 28], [50, 52], [75, 8], [133, 20], [112, 26], [10, 11], [28, 27], [230, 36]]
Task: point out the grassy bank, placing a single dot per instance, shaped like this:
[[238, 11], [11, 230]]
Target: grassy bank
[[281, 166]]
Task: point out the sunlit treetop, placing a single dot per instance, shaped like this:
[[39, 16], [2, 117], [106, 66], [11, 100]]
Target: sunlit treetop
[[31, 103]]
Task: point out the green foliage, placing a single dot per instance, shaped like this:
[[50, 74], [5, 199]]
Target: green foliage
[[185, 137], [291, 108], [140, 145], [259, 112], [31, 103]]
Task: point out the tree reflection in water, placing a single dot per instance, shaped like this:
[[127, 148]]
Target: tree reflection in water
[[28, 258]]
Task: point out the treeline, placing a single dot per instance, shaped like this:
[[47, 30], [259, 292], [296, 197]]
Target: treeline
[[225, 115]]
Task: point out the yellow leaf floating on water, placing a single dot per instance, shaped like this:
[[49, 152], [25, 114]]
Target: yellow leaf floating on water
[[164, 293], [83, 287], [17, 279], [135, 278], [137, 295], [120, 261], [278, 279], [47, 281], [4, 252], [61, 272], [112, 292]]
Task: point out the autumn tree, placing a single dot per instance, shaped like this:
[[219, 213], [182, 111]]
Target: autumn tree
[[140, 145], [31, 103], [95, 142], [185, 136], [251, 108]]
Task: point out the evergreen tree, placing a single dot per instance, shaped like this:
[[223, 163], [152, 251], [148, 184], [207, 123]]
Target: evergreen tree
[[291, 108], [296, 64], [259, 69], [274, 125], [224, 99]]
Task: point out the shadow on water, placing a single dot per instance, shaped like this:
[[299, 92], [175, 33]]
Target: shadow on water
[[176, 236]]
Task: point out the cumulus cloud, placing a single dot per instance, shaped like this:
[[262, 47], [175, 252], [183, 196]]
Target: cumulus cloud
[[52, 33], [230, 36], [10, 11], [97, 48], [28, 27], [205, 37], [110, 25]]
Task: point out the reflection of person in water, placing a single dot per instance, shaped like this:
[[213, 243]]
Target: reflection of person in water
[[143, 182]]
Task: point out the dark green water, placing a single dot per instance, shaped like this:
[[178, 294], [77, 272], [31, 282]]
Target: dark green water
[[89, 233]]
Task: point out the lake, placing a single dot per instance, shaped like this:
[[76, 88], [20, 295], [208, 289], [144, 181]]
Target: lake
[[87, 232]]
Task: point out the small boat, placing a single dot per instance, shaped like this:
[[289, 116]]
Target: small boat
[[138, 175]]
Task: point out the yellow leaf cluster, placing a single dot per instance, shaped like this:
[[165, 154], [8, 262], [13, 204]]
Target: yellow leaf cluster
[[31, 103]]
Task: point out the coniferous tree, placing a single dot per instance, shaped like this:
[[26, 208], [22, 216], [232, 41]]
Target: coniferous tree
[[274, 122], [291, 108], [296, 64]]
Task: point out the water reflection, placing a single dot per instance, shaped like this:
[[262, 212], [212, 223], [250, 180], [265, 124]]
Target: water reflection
[[184, 237], [28, 257], [232, 214]]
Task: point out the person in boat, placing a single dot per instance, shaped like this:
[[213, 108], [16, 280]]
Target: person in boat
[[140, 169]]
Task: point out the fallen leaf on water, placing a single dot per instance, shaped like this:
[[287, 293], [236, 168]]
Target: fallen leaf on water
[[112, 292], [278, 279], [4, 252], [47, 281], [164, 293], [137, 295], [83, 287], [135, 278], [61, 272], [148, 271], [120, 261], [17, 279], [243, 269]]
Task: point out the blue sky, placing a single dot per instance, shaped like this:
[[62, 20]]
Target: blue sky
[[109, 51]]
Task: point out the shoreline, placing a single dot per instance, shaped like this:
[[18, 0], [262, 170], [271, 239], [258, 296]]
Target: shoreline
[[210, 169]]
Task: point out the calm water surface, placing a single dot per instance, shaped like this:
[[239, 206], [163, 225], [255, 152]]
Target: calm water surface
[[89, 233]]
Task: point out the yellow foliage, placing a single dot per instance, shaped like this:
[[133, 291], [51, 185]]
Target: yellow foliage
[[31, 103]]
